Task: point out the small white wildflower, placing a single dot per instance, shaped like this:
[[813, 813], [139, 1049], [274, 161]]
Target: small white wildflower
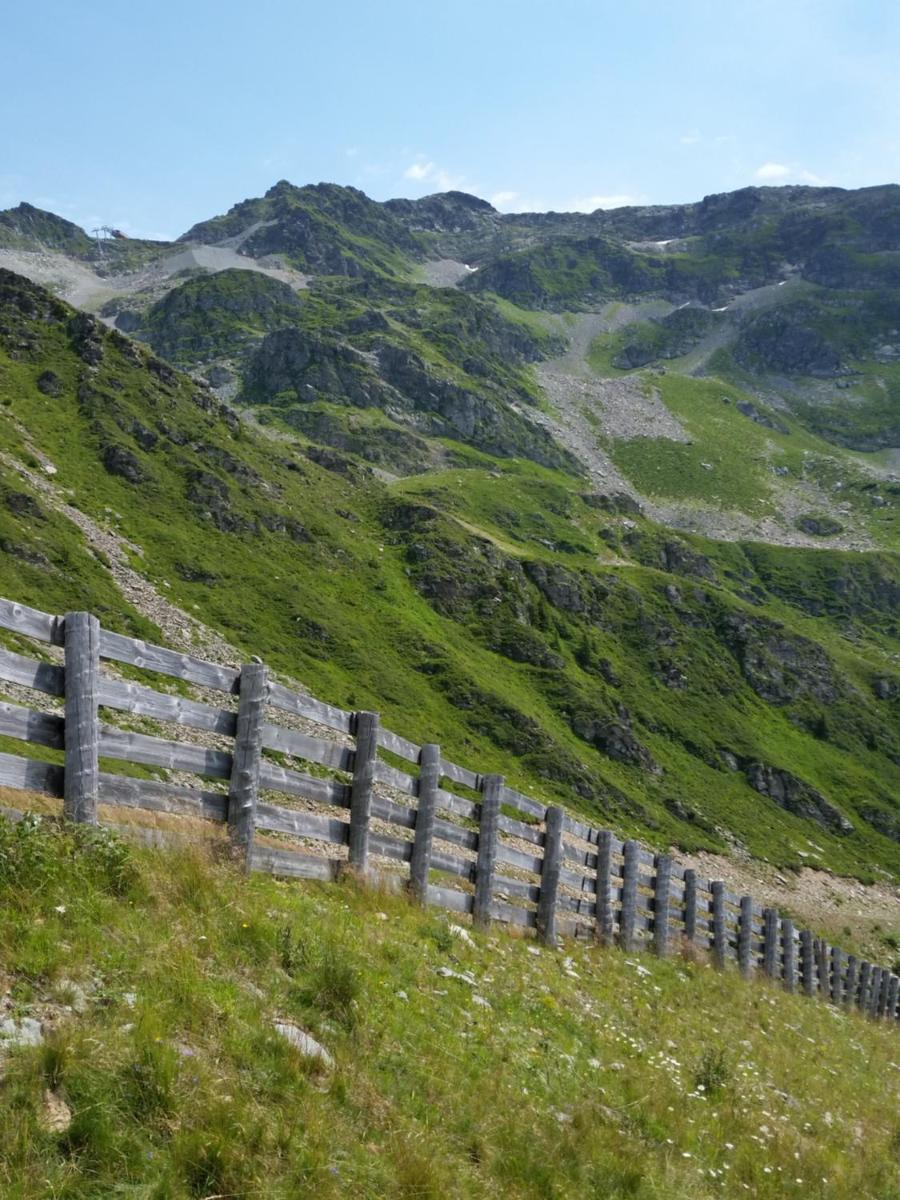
[[60, 908]]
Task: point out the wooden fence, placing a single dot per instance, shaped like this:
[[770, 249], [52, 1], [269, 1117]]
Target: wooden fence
[[307, 790]]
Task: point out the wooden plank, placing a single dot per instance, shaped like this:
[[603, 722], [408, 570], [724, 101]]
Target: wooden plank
[[449, 898], [604, 908], [577, 881], [366, 729], [395, 814], [152, 795], [788, 954], [628, 918], [137, 653], [720, 948], [448, 802], [662, 905], [585, 907], [129, 697], [504, 886], [423, 842], [550, 868], [745, 959], [770, 937], [295, 783], [581, 858], [30, 774], [312, 749], [31, 622], [690, 906], [518, 858], [445, 831], [400, 780], [159, 752], [307, 706], [27, 725], [457, 774], [518, 829], [511, 914], [492, 791], [42, 676], [295, 866], [82, 724], [302, 824], [807, 962], [399, 745], [384, 846], [452, 865], [525, 804]]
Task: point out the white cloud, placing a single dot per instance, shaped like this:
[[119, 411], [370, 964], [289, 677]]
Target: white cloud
[[588, 204], [504, 200], [774, 172], [419, 171], [690, 139], [424, 170]]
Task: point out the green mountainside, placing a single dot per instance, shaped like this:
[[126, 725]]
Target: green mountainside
[[703, 693], [605, 501]]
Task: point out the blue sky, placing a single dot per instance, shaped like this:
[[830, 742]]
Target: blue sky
[[151, 116]]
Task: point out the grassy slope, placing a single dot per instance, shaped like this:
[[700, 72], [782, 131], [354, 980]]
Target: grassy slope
[[586, 1073]]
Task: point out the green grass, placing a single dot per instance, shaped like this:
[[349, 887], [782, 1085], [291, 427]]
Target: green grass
[[582, 1073]]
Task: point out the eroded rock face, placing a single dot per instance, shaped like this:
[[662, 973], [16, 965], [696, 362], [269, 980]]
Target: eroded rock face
[[780, 666], [782, 342], [120, 461], [796, 796]]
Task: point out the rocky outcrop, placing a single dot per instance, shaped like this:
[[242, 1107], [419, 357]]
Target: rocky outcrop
[[797, 797], [781, 667], [782, 341], [293, 365]]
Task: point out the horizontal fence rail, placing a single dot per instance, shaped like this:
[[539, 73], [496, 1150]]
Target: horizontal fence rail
[[301, 789]]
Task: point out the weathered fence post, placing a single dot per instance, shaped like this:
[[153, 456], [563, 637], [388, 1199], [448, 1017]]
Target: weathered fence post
[[429, 777], [893, 993], [822, 964], [862, 1000], [745, 936], [874, 984], [661, 904], [806, 962], [631, 852], [850, 982], [243, 787], [604, 914], [837, 966], [787, 951], [720, 933], [690, 906], [770, 942], [366, 730], [81, 780], [546, 911], [881, 1006], [491, 791]]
